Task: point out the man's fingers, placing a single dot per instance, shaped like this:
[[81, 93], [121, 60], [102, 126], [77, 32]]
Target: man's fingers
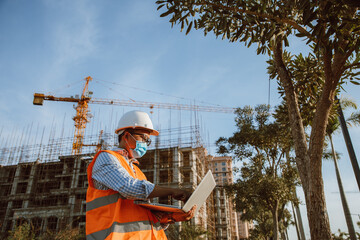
[[191, 213], [192, 210]]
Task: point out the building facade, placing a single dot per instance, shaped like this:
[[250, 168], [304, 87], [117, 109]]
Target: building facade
[[228, 224]]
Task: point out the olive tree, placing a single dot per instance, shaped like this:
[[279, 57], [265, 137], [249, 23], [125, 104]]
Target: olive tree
[[268, 177], [332, 28]]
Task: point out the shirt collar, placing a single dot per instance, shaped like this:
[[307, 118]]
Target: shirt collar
[[125, 154]]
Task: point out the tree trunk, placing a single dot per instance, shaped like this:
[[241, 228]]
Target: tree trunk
[[317, 212], [308, 161], [348, 219], [296, 222], [349, 146], [275, 221], [301, 227]]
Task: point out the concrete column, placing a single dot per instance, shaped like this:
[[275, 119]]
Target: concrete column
[[10, 203], [176, 165], [74, 182], [235, 222], [65, 167], [218, 215], [204, 215], [58, 223], [193, 173], [44, 224], [16, 180], [156, 164], [31, 178], [75, 173], [6, 218], [41, 228], [13, 225], [227, 217], [30, 184]]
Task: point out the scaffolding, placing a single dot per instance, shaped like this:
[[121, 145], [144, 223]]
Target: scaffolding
[[17, 152]]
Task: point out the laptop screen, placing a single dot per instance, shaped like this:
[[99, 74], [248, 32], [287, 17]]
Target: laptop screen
[[198, 197]]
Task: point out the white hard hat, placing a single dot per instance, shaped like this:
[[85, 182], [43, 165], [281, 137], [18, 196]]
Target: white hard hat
[[136, 120]]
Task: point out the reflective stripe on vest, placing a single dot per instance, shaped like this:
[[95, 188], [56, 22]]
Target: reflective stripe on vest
[[125, 228], [103, 201]]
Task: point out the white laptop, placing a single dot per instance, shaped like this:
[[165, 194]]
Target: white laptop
[[198, 197]]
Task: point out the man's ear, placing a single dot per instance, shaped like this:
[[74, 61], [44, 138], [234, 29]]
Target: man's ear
[[121, 136], [126, 136]]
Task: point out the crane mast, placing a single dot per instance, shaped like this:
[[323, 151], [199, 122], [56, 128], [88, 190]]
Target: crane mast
[[82, 110], [81, 118]]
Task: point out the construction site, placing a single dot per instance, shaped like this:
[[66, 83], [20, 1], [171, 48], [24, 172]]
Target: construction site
[[45, 183]]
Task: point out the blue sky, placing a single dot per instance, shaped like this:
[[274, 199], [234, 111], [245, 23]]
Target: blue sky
[[47, 45]]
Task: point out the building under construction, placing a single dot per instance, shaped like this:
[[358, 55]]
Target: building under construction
[[46, 185], [52, 195], [228, 224]]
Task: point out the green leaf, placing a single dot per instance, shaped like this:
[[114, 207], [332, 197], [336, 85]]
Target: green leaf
[[354, 82], [166, 13], [189, 28], [160, 6], [286, 42]]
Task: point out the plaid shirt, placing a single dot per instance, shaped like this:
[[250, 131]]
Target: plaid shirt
[[108, 173]]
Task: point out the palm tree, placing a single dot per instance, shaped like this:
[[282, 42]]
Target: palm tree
[[356, 118], [333, 125]]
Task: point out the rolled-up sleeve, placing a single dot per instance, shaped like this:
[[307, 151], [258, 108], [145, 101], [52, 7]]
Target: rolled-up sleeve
[[108, 171]]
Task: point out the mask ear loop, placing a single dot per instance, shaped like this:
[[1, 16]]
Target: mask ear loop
[[128, 149]]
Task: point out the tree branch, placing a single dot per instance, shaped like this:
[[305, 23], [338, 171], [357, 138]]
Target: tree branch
[[351, 66], [297, 127], [279, 160], [340, 55]]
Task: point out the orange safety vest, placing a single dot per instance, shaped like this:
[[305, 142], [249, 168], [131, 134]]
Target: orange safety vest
[[110, 216]]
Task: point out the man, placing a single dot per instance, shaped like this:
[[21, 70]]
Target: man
[[115, 182]]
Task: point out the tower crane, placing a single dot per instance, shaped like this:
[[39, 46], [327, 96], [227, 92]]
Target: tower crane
[[82, 110]]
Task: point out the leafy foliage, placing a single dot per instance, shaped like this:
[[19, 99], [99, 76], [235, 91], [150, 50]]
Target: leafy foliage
[[354, 119], [22, 232], [343, 235], [267, 178], [66, 234], [325, 24], [187, 232], [308, 79], [27, 232]]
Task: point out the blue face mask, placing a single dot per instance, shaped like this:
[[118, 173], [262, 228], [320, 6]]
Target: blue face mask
[[140, 149]]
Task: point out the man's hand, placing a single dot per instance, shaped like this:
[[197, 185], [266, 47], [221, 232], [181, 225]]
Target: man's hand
[[180, 194], [178, 217], [176, 193]]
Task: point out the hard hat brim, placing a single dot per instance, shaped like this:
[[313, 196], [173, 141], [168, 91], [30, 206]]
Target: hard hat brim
[[152, 131]]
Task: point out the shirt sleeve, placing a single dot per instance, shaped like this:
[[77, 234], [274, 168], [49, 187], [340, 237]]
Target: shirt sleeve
[[108, 171]]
